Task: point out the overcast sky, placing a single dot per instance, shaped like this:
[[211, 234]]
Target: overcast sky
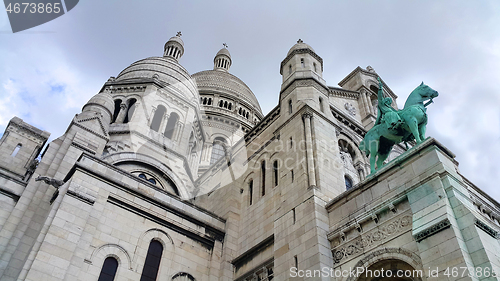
[[47, 73]]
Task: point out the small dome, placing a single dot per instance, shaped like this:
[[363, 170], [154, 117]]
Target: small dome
[[223, 51], [102, 99], [177, 39], [300, 45]]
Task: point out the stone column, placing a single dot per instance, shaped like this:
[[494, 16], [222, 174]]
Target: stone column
[[366, 104], [122, 114], [309, 149]]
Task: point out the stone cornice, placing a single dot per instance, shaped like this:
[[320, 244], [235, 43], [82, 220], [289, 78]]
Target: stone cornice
[[431, 230], [343, 93], [19, 124]]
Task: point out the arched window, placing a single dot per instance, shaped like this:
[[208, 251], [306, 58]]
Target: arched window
[[275, 172], [230, 106], [218, 149], [209, 101], [302, 63], [263, 174], [225, 104], [117, 110], [183, 276], [108, 270], [169, 129], [348, 183], [239, 111], [16, 150], [221, 103], [314, 66], [130, 110], [159, 113], [152, 263], [290, 106], [321, 104], [250, 191]]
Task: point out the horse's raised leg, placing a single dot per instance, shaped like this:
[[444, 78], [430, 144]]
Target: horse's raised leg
[[413, 125]]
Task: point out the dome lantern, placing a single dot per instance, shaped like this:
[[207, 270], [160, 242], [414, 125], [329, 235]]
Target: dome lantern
[[174, 48], [222, 60]]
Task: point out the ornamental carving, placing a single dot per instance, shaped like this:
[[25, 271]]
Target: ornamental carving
[[374, 237], [350, 108]]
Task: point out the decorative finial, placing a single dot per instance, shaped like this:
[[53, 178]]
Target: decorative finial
[[300, 41], [225, 45], [179, 34]]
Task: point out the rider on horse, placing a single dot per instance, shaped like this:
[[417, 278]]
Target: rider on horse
[[386, 113]]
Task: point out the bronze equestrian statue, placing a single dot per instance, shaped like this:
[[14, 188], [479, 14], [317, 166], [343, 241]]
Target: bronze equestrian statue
[[394, 126]]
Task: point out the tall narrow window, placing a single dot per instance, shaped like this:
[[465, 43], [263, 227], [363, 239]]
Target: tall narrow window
[[218, 150], [117, 110], [152, 263], [290, 106], [275, 172], [130, 110], [169, 129], [291, 142], [294, 216], [302, 63], [263, 174], [159, 113], [296, 262], [314, 66], [16, 150], [292, 175], [250, 191], [321, 104], [108, 270], [289, 69]]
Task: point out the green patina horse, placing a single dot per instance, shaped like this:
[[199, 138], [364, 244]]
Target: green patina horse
[[390, 130]]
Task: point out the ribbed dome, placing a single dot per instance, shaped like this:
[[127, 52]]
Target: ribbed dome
[[224, 51], [219, 81], [176, 39], [300, 45], [167, 70]]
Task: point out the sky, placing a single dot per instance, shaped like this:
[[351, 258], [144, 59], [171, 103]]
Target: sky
[[47, 73]]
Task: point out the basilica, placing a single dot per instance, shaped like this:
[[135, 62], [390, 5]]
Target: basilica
[[167, 175]]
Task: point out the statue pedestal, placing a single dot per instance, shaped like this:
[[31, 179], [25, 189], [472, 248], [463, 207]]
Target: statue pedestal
[[417, 212]]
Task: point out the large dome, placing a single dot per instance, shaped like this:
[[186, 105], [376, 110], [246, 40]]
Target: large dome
[[225, 82], [165, 69]]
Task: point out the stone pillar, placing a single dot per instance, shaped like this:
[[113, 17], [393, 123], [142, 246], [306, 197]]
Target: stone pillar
[[366, 104], [309, 150], [122, 114]]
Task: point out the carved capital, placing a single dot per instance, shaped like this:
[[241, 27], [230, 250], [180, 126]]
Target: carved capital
[[307, 115]]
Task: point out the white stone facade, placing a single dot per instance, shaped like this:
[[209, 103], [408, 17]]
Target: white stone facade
[[173, 176]]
